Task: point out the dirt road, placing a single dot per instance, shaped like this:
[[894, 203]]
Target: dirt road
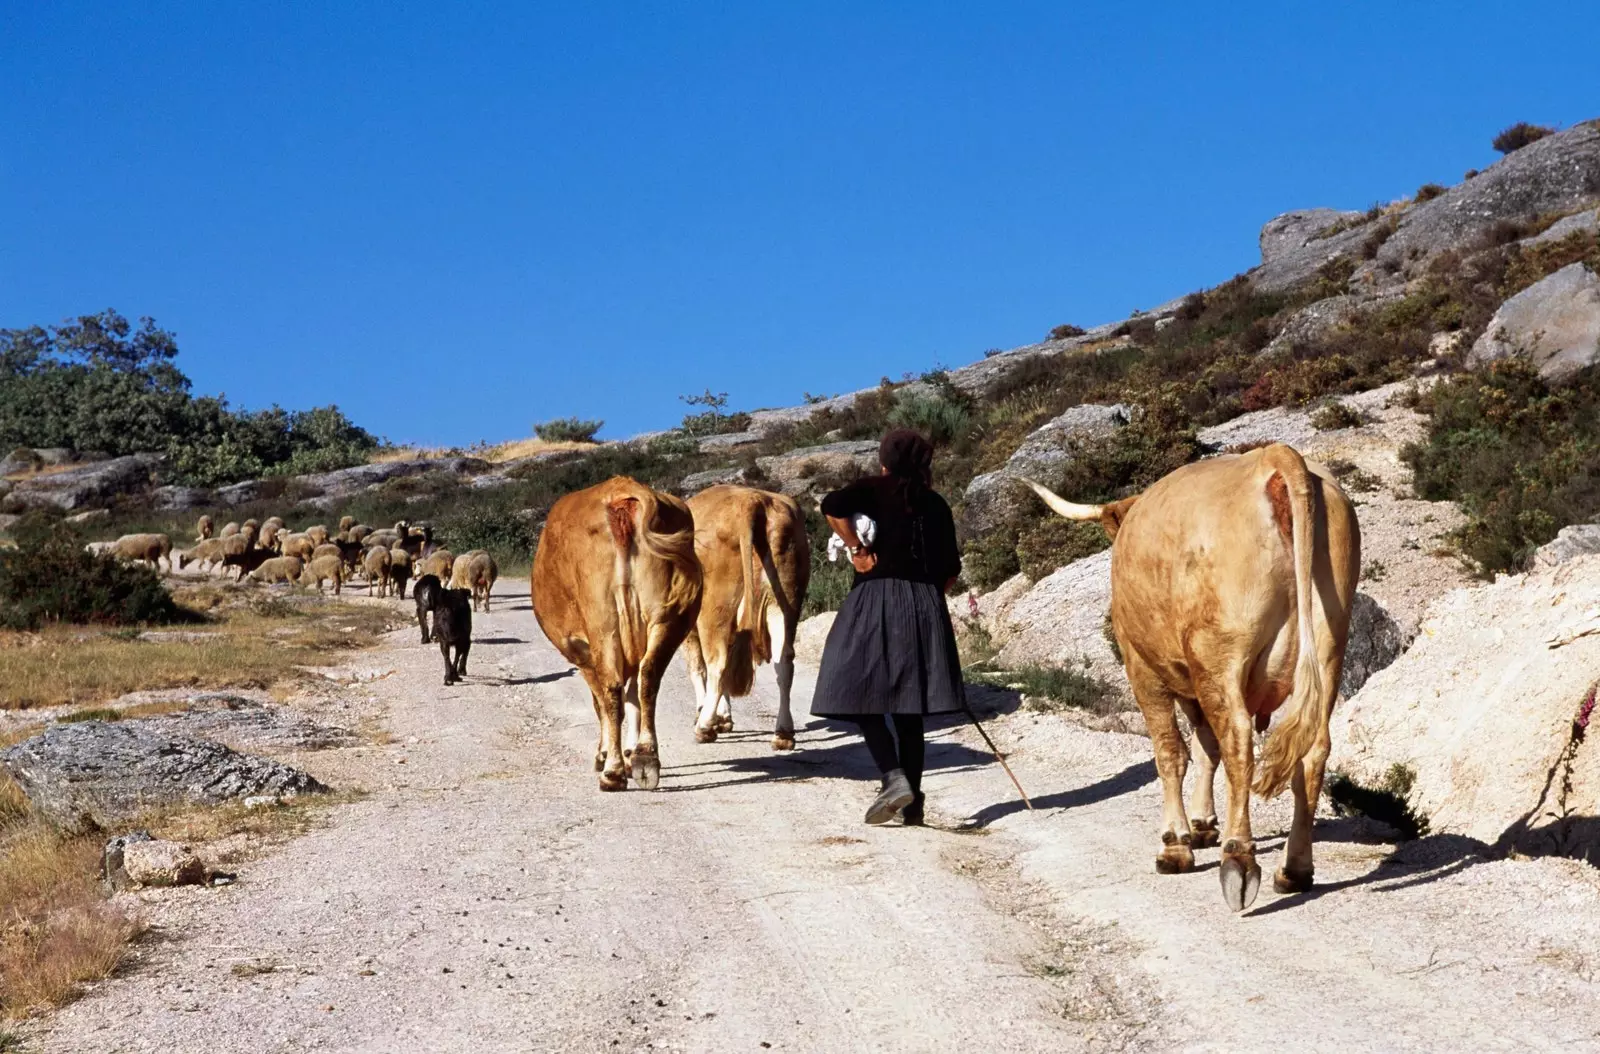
[[486, 897]]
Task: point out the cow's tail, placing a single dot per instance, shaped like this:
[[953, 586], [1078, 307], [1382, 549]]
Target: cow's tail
[[637, 530], [745, 649], [1306, 713]]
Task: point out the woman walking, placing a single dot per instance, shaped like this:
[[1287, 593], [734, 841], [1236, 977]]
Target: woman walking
[[891, 656]]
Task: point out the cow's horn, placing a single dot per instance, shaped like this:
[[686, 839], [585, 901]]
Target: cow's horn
[[1061, 506]]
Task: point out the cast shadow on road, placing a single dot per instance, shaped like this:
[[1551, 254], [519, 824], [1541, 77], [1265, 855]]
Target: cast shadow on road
[[498, 640], [825, 749], [541, 678], [1127, 781]]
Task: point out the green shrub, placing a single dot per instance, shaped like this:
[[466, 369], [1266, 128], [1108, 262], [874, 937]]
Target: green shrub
[[990, 559], [830, 582], [1052, 543], [50, 577], [505, 532], [1334, 416], [713, 420], [944, 416], [1052, 688], [567, 430], [1520, 455], [1067, 331], [1520, 135]]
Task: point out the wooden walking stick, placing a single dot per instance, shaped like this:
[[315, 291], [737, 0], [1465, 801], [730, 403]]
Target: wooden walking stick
[[999, 757]]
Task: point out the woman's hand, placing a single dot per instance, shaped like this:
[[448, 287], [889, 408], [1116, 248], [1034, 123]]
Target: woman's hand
[[864, 561]]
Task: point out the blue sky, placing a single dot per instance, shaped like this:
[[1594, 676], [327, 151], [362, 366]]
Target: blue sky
[[454, 223]]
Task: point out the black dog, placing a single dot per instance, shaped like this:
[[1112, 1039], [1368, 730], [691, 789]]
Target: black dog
[[452, 624], [426, 594]]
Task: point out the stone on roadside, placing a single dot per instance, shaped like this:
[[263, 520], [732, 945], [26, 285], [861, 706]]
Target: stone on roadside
[[153, 862]]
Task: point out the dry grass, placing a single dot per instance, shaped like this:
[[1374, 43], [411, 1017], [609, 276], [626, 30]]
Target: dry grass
[[197, 825], [56, 929], [246, 648], [516, 448], [500, 452]]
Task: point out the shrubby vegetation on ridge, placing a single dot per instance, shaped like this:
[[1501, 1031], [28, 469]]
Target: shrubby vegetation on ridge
[[97, 383]]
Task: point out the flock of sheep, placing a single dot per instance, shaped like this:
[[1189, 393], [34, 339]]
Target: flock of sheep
[[267, 552]]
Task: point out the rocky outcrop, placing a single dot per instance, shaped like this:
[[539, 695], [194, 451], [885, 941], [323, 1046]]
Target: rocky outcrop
[[729, 441], [1482, 708], [93, 485], [1580, 539], [994, 499], [1295, 230], [1558, 174], [1585, 222], [179, 499], [95, 773], [325, 487], [814, 469], [1555, 322], [695, 482]]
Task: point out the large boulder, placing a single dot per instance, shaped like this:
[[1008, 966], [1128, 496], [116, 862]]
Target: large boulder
[[1295, 230], [179, 499], [326, 487], [93, 485], [1061, 621], [995, 498], [814, 469], [1483, 709], [1580, 539], [95, 773], [1555, 322], [1376, 640]]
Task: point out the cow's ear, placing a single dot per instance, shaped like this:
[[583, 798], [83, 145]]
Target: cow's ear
[[1112, 515]]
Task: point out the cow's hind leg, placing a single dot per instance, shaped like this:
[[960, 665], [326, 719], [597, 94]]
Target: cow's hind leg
[[705, 726], [1203, 824], [663, 640], [1172, 759], [1295, 876], [1222, 701], [781, 630]]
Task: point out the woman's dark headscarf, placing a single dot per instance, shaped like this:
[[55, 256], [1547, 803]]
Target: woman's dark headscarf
[[908, 457]]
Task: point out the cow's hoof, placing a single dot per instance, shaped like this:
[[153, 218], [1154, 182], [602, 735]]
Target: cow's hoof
[[1241, 880], [723, 723], [600, 762], [647, 771], [1203, 834], [1175, 859], [614, 781], [783, 742], [1287, 880], [705, 735]]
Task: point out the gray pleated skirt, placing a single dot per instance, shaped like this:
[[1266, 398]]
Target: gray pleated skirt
[[891, 650]]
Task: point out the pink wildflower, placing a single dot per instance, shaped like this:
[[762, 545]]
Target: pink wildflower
[[1586, 710], [972, 609]]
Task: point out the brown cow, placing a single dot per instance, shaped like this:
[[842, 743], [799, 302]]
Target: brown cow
[[1231, 586], [616, 588], [756, 563]]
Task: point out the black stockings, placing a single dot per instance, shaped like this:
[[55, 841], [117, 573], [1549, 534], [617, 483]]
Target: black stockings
[[881, 744]]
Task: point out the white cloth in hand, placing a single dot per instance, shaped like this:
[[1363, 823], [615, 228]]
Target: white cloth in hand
[[866, 530]]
